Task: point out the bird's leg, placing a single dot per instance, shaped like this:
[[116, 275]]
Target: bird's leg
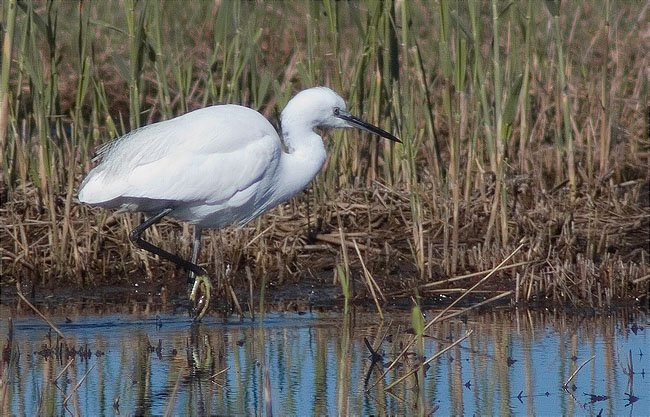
[[136, 237], [202, 282]]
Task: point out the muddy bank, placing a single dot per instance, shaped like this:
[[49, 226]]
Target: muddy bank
[[301, 296]]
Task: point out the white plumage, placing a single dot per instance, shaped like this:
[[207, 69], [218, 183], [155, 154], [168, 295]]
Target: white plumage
[[202, 164]]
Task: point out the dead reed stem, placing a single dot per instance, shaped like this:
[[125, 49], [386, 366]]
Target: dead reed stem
[[477, 305], [429, 360], [169, 409], [371, 283], [568, 381], [442, 313], [26, 301], [81, 381]]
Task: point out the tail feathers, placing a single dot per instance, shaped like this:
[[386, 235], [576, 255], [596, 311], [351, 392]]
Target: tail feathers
[[95, 191]]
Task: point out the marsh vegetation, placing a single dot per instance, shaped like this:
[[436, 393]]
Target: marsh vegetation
[[522, 122]]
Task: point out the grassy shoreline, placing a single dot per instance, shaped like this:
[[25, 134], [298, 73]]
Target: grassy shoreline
[[519, 121]]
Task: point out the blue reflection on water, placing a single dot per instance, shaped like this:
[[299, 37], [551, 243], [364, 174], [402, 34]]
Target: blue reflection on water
[[511, 364]]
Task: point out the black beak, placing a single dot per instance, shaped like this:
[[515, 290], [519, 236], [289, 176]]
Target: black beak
[[356, 122]]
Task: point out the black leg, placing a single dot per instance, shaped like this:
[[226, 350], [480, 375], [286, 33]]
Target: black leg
[[135, 237]]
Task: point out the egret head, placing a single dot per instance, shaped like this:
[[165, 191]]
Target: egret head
[[322, 107]]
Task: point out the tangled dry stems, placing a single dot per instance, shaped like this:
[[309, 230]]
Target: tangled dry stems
[[593, 252]]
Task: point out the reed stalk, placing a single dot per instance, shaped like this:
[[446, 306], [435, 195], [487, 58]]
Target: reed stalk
[[565, 136], [160, 49], [417, 322], [605, 88], [7, 48], [445, 40], [343, 368], [524, 129], [343, 272], [498, 208], [136, 44], [344, 280]]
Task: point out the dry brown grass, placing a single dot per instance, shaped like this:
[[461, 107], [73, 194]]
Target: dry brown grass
[[594, 254]]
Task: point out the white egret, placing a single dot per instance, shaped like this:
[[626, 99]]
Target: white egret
[[214, 167]]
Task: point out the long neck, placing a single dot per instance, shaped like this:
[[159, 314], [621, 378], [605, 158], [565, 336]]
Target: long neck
[[306, 156]]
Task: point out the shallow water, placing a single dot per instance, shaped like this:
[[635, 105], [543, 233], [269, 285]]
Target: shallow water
[[318, 364]]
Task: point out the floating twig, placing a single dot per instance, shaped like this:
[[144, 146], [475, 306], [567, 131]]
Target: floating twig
[[568, 381], [83, 378]]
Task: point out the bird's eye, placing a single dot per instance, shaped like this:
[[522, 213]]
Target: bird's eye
[[337, 111]]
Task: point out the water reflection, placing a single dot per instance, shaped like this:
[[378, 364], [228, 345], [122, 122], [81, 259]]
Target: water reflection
[[321, 364]]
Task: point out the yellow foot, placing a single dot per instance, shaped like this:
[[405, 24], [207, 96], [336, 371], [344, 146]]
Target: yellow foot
[[200, 295]]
